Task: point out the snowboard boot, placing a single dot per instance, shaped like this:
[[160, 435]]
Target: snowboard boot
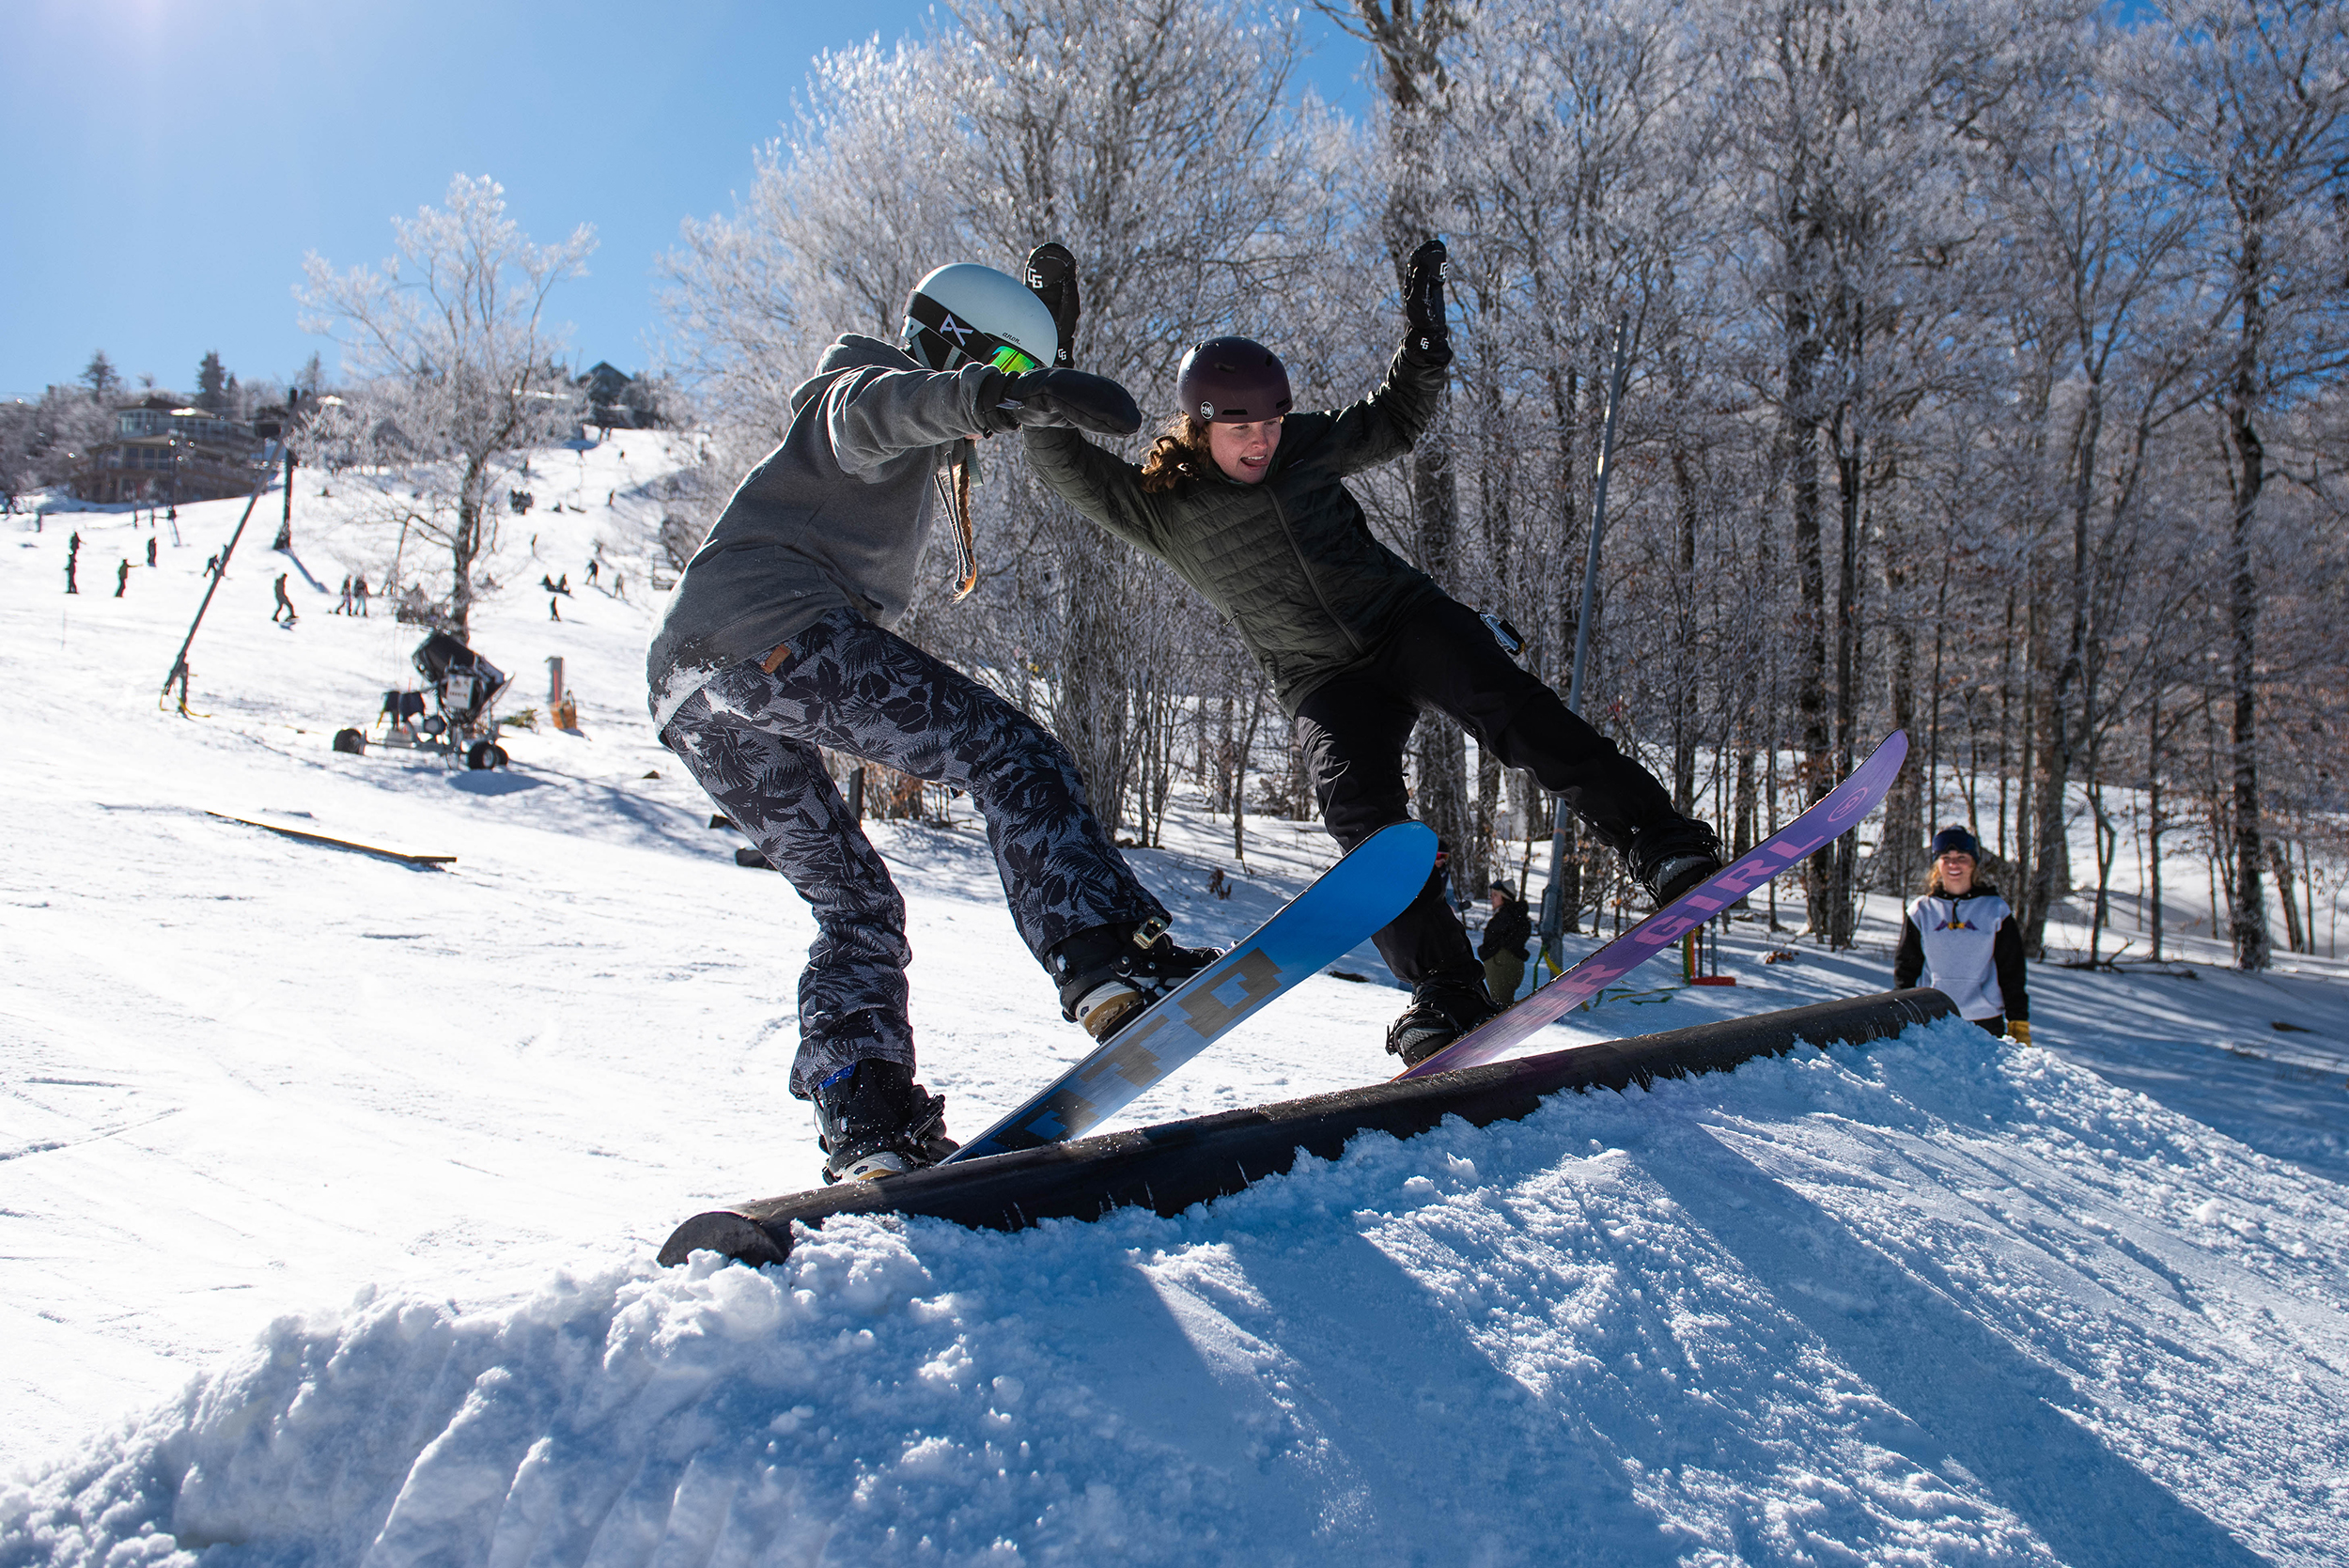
[[873, 1120], [1109, 973], [1672, 857], [1440, 1012]]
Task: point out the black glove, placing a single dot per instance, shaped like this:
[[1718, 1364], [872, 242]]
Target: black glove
[[1072, 398], [1052, 277], [1427, 337]]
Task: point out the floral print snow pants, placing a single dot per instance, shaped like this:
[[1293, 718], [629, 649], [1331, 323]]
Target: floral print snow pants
[[750, 735]]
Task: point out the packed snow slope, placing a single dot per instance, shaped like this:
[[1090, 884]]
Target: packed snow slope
[[328, 1188]]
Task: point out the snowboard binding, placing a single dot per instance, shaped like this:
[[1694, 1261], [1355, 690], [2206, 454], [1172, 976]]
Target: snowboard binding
[[873, 1120], [1440, 1012], [1109, 973], [1671, 858]]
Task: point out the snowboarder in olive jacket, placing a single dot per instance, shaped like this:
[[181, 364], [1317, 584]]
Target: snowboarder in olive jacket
[[1247, 502]]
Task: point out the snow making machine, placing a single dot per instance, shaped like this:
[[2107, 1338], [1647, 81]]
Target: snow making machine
[[464, 689]]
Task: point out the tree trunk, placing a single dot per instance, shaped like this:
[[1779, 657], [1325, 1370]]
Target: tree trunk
[[2025, 821], [1565, 393], [1798, 459], [2152, 818], [1442, 754], [1842, 889], [1685, 664], [2066, 732], [464, 544], [2247, 917], [2279, 859], [1904, 838], [1244, 749]]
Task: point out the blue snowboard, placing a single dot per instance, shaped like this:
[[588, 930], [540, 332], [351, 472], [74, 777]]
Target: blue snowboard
[[1352, 899]]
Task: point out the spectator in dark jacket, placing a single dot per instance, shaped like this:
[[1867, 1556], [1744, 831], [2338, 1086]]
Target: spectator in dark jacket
[[1963, 938], [1247, 502], [1503, 949]]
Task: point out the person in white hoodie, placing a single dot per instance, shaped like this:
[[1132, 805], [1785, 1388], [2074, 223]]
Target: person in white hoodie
[[1963, 937], [776, 646]]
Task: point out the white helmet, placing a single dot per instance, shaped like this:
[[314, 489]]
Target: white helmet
[[964, 313]]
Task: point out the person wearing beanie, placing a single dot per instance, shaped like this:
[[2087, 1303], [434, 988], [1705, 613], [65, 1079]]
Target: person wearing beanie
[[1962, 934], [1504, 949]]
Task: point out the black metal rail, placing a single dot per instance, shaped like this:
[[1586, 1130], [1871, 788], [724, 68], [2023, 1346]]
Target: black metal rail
[[1170, 1167]]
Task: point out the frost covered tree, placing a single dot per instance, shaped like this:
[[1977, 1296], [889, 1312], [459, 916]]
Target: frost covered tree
[[2256, 96], [1191, 212], [453, 365], [1986, 385]]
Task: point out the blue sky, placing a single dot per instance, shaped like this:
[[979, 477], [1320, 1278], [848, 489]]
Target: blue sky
[[170, 164]]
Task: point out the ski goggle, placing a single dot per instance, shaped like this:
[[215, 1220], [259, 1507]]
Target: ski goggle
[[945, 342]]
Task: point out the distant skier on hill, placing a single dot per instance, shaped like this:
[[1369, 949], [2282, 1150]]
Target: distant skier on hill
[[72, 561], [1356, 642], [284, 605], [1964, 934], [775, 643], [122, 577]]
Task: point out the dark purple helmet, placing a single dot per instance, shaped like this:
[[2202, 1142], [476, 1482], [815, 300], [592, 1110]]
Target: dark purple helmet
[[1233, 381]]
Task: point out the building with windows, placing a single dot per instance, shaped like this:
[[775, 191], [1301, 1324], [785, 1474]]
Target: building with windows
[[165, 453], [617, 401]]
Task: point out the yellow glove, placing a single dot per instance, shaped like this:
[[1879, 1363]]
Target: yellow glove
[[2018, 1030]]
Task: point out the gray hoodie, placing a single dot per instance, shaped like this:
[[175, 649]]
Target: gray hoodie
[[833, 519]]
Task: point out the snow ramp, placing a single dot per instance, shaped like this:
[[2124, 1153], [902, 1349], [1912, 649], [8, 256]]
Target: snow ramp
[[1941, 1301]]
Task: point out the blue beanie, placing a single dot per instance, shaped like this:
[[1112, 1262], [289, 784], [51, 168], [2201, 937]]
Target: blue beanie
[[1958, 838]]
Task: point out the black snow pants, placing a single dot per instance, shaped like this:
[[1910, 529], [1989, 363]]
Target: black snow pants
[[1354, 727], [750, 737]]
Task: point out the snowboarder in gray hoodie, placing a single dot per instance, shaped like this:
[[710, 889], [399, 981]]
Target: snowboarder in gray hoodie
[[776, 642]]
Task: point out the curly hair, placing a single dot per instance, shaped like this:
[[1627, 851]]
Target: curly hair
[[1180, 452]]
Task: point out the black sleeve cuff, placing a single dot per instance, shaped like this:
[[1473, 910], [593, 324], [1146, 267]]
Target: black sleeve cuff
[[1424, 349]]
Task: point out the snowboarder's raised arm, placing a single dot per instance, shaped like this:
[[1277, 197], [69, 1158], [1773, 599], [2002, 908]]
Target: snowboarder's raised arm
[[1102, 486], [874, 414], [1385, 424]]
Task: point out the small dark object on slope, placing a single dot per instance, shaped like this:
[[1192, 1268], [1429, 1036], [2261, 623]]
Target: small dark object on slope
[[399, 855]]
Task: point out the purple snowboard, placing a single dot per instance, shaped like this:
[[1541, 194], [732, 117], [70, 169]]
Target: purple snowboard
[[1823, 823]]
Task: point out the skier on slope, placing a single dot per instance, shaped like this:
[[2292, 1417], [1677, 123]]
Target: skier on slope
[[775, 643], [1246, 502], [1963, 933]]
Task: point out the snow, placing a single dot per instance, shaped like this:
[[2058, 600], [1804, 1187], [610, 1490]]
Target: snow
[[330, 1186]]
